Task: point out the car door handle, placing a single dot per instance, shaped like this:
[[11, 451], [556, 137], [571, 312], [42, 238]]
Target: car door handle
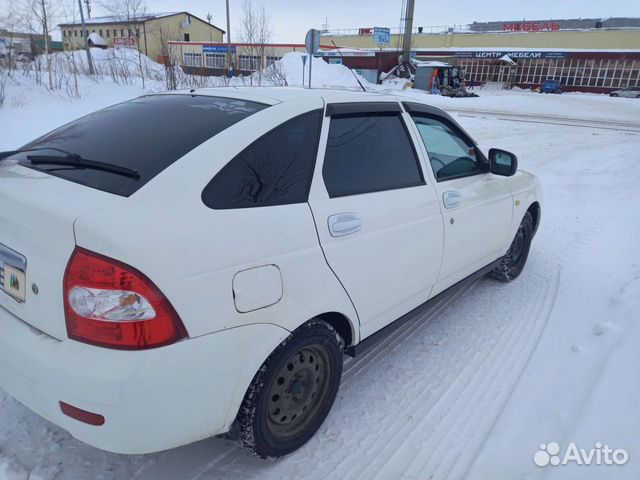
[[451, 199], [342, 224]]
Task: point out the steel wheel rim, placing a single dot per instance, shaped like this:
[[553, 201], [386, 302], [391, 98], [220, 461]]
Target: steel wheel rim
[[298, 391]]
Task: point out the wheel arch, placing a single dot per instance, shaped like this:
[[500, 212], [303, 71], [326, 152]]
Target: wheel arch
[[342, 325], [536, 212], [339, 321]]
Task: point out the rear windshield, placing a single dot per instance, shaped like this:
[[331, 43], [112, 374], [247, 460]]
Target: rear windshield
[[146, 134]]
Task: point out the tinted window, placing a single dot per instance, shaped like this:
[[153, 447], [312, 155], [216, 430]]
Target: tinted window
[[146, 134], [451, 154], [274, 170], [369, 153]]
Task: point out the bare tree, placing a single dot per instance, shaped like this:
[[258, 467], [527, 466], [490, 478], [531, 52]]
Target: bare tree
[[275, 73], [132, 13], [170, 56], [69, 12], [255, 30], [10, 21], [38, 15]]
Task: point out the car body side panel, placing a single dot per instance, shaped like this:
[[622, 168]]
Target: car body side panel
[[192, 252]]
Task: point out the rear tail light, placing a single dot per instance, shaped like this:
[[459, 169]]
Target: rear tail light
[[110, 304]]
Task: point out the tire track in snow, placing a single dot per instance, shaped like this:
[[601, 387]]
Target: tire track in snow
[[514, 372], [355, 365], [411, 457]]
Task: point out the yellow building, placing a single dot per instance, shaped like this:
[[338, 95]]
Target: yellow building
[[149, 33], [569, 39], [593, 55]]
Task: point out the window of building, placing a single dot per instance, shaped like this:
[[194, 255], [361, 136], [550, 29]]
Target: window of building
[[122, 32], [187, 37], [276, 169], [100, 32], [451, 154], [137, 33], [115, 32], [192, 60], [215, 60], [369, 153], [108, 33], [248, 62], [271, 60]]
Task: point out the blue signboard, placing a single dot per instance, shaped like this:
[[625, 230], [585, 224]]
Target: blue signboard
[[382, 36], [218, 49]]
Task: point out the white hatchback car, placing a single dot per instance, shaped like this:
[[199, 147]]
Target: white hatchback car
[[184, 264]]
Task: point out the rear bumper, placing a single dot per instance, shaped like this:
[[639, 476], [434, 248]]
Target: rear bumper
[[152, 400]]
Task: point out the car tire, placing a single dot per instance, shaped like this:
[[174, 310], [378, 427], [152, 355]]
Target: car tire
[[514, 260], [293, 391], [614, 94]]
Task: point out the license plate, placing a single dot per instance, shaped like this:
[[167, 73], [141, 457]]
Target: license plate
[[15, 283]]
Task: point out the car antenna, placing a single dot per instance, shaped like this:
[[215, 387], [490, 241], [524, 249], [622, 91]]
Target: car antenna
[[354, 73]]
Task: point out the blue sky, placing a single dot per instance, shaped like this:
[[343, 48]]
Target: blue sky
[[292, 19]]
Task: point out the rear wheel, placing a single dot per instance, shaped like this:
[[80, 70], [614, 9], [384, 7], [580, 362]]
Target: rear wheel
[[614, 94], [513, 262], [293, 392]]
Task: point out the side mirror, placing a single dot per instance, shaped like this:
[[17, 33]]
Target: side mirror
[[502, 162]]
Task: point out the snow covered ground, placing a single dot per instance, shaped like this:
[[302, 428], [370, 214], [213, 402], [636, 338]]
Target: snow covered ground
[[474, 392]]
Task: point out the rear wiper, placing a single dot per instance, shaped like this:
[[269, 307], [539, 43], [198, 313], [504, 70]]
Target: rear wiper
[[71, 160], [75, 160], [10, 153]]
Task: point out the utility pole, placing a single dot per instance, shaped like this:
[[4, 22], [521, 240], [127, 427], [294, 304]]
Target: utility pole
[[229, 59], [408, 31], [85, 34]]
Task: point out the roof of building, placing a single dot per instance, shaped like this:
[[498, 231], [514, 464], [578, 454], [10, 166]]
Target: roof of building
[[110, 19], [563, 24]]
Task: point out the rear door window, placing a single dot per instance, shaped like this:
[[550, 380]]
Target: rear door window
[[146, 134], [276, 169], [369, 153]]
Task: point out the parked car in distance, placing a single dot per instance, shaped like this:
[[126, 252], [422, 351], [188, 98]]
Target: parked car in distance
[[629, 92], [551, 86], [185, 264]]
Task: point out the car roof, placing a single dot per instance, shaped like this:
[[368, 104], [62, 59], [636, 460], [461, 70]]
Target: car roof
[[274, 95]]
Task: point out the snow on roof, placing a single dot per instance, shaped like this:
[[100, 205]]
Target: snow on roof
[[507, 59], [97, 40], [431, 64], [124, 18], [137, 19]]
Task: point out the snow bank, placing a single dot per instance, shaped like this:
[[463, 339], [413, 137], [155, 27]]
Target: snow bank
[[323, 75], [107, 62]]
